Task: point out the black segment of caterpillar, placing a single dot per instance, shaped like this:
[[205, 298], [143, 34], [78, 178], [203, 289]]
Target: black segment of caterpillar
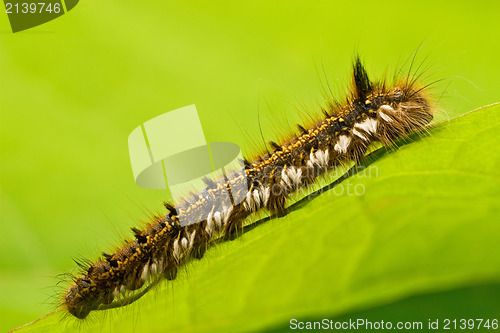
[[373, 111]]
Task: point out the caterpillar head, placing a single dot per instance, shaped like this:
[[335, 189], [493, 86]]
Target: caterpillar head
[[400, 110]]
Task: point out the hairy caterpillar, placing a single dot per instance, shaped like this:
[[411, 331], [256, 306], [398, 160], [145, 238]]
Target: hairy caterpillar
[[374, 111]]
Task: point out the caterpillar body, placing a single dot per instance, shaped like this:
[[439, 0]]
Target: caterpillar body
[[373, 111]]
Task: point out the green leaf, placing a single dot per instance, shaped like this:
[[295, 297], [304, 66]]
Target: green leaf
[[422, 242]]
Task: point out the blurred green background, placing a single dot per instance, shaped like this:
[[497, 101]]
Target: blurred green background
[[73, 89]]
